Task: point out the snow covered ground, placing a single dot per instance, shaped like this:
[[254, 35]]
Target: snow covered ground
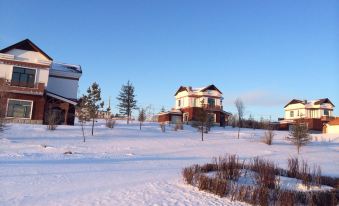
[[125, 166]]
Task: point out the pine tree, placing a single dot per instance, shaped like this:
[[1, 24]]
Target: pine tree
[[92, 102], [299, 135], [162, 109], [127, 101], [142, 116]]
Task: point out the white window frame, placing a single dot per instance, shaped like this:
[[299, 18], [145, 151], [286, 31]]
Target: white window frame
[[23, 100]]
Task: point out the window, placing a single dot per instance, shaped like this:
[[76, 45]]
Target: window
[[291, 113], [194, 102], [211, 102], [19, 108], [326, 112], [23, 77], [179, 103]]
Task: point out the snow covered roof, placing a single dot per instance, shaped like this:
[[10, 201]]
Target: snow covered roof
[[197, 89], [66, 67], [310, 103]]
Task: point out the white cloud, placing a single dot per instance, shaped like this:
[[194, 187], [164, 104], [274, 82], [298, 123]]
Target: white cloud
[[258, 98]]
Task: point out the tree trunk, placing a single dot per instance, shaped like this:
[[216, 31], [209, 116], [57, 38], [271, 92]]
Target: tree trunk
[[298, 147], [92, 126], [202, 132], [83, 132]]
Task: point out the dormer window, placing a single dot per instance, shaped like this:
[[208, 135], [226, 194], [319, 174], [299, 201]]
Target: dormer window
[[23, 77]]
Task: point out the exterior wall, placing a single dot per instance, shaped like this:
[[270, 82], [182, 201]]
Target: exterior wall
[[6, 71], [41, 75], [193, 112], [194, 99], [164, 117], [332, 129], [38, 104], [27, 55], [64, 87], [295, 108]]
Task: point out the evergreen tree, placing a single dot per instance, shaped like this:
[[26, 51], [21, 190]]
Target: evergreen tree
[[163, 109], [299, 135], [142, 116], [127, 102], [92, 102]]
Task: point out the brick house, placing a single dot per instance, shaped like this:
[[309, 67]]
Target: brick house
[[188, 101], [34, 86], [315, 113]]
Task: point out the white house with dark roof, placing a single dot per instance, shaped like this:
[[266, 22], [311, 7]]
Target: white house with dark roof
[[315, 113], [36, 86]]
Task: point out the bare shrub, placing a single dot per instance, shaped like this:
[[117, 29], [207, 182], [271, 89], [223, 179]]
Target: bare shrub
[[293, 167], [188, 174], [53, 119], [178, 126], [203, 182], [266, 192], [268, 136], [265, 173], [304, 174], [285, 198], [162, 127], [110, 123], [229, 167], [208, 167]]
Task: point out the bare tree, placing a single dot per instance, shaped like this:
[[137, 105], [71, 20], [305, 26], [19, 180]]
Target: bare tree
[[299, 135], [202, 118], [3, 97], [240, 110], [83, 116]]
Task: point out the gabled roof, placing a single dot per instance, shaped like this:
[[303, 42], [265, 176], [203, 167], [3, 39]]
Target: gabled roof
[[27, 45], [313, 102], [203, 89], [211, 87], [181, 88], [295, 101], [322, 101]]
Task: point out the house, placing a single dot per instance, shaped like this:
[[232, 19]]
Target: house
[[188, 102], [315, 113], [34, 86], [332, 127]]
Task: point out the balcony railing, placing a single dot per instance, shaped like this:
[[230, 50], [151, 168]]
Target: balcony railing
[[23, 84], [326, 118], [22, 88], [212, 107]]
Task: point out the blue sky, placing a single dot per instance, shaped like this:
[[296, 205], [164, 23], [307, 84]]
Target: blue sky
[[266, 52]]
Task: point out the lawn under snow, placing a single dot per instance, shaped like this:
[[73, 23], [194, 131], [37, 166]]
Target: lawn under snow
[[125, 166]]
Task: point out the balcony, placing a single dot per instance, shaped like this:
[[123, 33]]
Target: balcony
[[22, 88], [326, 118], [212, 107]]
